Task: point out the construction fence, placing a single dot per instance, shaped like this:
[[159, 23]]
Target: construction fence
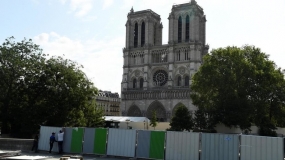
[[168, 145]]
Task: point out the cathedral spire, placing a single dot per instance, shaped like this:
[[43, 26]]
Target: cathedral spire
[[132, 10]]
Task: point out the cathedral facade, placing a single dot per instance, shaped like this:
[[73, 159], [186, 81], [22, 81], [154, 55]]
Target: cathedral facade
[[156, 76]]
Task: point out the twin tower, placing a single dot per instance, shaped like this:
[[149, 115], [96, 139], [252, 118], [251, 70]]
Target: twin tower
[[156, 76]]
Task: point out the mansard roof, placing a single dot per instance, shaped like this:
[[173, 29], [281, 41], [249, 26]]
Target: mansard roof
[[107, 94]]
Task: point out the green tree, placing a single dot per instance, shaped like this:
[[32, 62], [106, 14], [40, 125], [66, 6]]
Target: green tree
[[182, 120], [18, 69], [39, 91], [94, 115], [240, 86], [153, 120], [203, 120]]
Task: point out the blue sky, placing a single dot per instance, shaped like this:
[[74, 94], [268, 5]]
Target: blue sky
[[92, 32]]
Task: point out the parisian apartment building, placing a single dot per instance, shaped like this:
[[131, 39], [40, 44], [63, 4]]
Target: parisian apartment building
[[109, 102]]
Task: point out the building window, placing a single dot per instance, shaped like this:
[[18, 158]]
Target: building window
[[136, 35], [154, 34], [179, 81], [187, 28], [187, 81], [178, 56], [187, 55], [142, 34], [135, 60], [141, 83], [134, 83], [160, 78], [179, 29]]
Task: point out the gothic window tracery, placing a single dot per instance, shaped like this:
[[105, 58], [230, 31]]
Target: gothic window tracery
[[159, 56], [137, 58], [179, 81], [136, 35], [142, 34], [179, 29], [183, 54], [154, 34], [178, 56], [160, 78], [186, 80], [141, 83], [187, 28], [134, 83]]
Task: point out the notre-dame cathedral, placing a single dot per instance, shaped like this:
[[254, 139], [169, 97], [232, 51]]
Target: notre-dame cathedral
[[156, 76]]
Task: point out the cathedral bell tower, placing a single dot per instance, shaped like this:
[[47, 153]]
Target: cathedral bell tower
[[143, 28], [157, 77]]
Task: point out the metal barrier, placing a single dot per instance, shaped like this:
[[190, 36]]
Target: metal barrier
[[168, 145]]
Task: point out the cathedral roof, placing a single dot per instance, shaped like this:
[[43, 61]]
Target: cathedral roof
[[144, 12], [192, 3]]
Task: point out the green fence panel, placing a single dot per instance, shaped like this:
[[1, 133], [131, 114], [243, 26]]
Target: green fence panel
[[76, 140], [100, 141], [157, 140]]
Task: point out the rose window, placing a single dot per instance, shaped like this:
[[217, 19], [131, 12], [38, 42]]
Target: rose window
[[160, 78]]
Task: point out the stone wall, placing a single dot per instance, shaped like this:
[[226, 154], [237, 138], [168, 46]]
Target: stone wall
[[12, 144]]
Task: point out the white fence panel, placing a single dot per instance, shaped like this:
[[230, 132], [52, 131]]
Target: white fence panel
[[121, 142], [261, 148], [182, 146], [45, 133], [219, 146]]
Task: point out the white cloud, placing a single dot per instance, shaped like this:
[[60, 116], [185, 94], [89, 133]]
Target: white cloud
[[79, 7], [107, 3], [99, 57]]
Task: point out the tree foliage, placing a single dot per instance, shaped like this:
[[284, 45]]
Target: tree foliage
[[203, 121], [240, 87], [153, 120], [182, 120], [36, 90]]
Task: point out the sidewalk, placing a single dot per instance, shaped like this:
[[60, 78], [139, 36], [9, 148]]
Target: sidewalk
[[55, 156]]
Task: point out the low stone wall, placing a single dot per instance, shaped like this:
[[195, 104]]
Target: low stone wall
[[16, 144]]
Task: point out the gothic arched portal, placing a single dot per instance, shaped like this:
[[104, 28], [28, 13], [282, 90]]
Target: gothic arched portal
[[134, 111], [159, 109]]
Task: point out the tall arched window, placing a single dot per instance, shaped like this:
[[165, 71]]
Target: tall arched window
[[178, 56], [187, 28], [141, 83], [135, 60], [179, 81], [179, 29], [136, 35], [134, 83], [187, 81], [143, 34], [154, 33]]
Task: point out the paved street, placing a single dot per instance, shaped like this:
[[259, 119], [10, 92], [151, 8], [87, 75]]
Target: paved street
[[55, 156]]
